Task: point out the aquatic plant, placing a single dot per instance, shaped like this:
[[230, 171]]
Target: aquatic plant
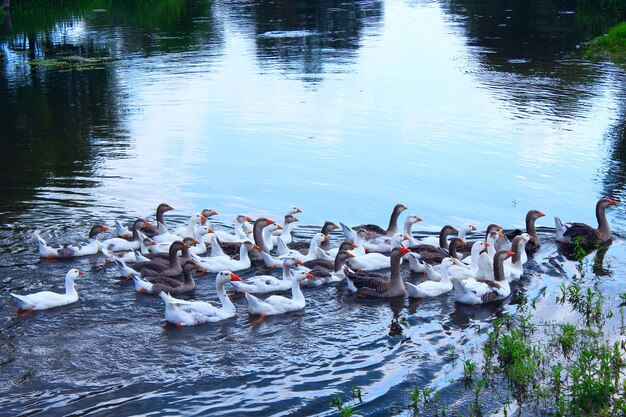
[[609, 46]]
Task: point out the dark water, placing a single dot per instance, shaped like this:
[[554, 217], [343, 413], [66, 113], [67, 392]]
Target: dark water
[[461, 110]]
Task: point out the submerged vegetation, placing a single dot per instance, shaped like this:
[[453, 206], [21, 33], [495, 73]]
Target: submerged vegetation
[[610, 46]]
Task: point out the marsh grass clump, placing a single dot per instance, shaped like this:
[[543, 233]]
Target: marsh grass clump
[[609, 46]]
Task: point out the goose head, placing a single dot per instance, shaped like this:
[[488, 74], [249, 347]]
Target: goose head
[[208, 213], [412, 219], [73, 274], [604, 202], [293, 210], [467, 228], [478, 247], [226, 276], [300, 276], [448, 262], [97, 229], [318, 238], [163, 207]]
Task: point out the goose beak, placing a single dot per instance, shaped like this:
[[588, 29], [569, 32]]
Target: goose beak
[[404, 250], [325, 238], [255, 246], [270, 221], [248, 219], [80, 273], [487, 244], [419, 219], [473, 228], [279, 227], [234, 277], [405, 237], [295, 219], [153, 243], [541, 214], [105, 228], [299, 262], [298, 210], [510, 253], [214, 213], [204, 271], [368, 233], [203, 217], [210, 230], [309, 275], [612, 202], [500, 234], [148, 224], [354, 246], [350, 255]]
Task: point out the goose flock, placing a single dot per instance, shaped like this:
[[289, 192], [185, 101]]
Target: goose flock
[[156, 257]]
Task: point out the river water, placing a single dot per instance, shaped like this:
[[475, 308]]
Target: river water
[[461, 110]]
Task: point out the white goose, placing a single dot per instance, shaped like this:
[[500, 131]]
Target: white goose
[[262, 284], [47, 299], [514, 267], [238, 235], [165, 236], [284, 252], [286, 236], [72, 250], [220, 263], [428, 289], [373, 261], [277, 304], [190, 313], [474, 292], [117, 244]]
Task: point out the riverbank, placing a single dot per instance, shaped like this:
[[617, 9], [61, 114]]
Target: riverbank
[[610, 46]]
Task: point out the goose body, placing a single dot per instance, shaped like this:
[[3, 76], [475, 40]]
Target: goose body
[[472, 291], [277, 304], [220, 263], [72, 250], [262, 284], [392, 228], [428, 289], [118, 244], [589, 236], [47, 299], [189, 313], [239, 234], [156, 284], [377, 285]]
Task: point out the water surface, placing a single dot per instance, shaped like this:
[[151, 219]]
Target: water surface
[[463, 111]]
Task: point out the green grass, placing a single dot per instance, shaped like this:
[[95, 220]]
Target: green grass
[[610, 46]]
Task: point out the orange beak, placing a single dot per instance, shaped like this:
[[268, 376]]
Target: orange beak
[[269, 221], [148, 224], [473, 227], [350, 255], [210, 230], [80, 273], [295, 219], [511, 253], [255, 246], [214, 213], [541, 214], [279, 227], [203, 217], [248, 219], [419, 219], [197, 265], [500, 234], [299, 262], [105, 228], [354, 246], [404, 250], [153, 243], [234, 277], [298, 210], [325, 238], [612, 202], [309, 275], [487, 245], [405, 237]]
